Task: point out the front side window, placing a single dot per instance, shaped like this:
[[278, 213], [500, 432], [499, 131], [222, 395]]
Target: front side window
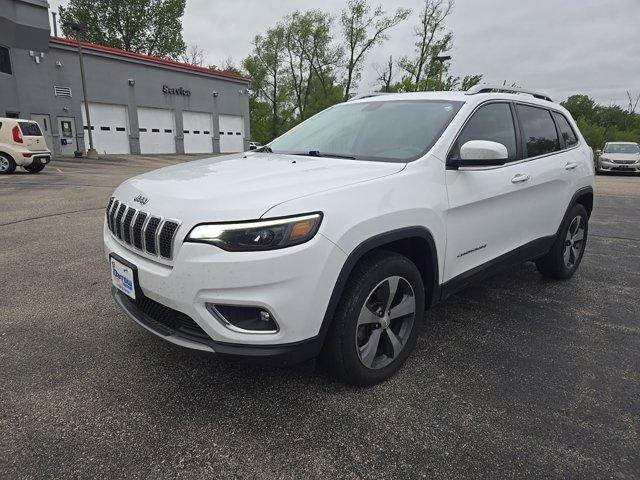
[[540, 135], [566, 131], [5, 61], [621, 148], [492, 122], [392, 130]]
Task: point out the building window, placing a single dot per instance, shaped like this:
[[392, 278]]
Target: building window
[[5, 61]]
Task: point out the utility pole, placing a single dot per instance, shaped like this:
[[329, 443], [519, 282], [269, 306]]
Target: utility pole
[[442, 59], [78, 29]]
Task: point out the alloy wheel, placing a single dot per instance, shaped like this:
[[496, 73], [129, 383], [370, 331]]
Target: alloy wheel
[[574, 242], [385, 322], [4, 164]]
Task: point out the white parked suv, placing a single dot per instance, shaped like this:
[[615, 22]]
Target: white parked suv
[[22, 144], [332, 240]]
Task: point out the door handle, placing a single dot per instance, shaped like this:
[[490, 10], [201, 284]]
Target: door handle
[[520, 178], [570, 166]]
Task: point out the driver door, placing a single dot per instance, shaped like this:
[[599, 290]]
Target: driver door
[[488, 206]]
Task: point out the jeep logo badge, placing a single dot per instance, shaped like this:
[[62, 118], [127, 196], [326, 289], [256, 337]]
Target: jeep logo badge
[[142, 200]]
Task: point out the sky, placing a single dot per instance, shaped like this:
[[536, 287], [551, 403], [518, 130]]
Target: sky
[[560, 47]]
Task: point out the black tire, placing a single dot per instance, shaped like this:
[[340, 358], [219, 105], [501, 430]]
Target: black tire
[[555, 264], [34, 167], [7, 164], [342, 352]]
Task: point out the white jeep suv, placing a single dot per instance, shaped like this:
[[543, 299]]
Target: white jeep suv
[[332, 240]]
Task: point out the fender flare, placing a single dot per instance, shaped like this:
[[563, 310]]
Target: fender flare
[[369, 245]]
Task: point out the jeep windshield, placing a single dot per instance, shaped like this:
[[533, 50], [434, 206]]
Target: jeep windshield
[[621, 148], [390, 130]]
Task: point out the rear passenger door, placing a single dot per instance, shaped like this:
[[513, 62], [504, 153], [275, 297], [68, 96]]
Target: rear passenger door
[[549, 164]]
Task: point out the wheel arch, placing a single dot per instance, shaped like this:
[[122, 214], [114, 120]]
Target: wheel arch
[[584, 197], [416, 243], [2, 152]]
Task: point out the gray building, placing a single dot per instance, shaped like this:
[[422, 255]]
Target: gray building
[[137, 103]]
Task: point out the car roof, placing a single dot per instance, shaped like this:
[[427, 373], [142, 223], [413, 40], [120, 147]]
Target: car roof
[[621, 143]]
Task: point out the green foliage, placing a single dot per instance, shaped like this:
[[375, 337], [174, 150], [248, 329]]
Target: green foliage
[[600, 124], [152, 27], [364, 27]]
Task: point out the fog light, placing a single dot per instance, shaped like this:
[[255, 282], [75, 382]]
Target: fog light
[[244, 319]]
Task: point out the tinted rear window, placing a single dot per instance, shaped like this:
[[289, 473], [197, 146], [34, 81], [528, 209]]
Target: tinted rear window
[[539, 130], [30, 129], [566, 131]]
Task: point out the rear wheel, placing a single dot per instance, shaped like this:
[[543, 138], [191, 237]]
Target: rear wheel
[[34, 167], [7, 164], [376, 324], [565, 256]]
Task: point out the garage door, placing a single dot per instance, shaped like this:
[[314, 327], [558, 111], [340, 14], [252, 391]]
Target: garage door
[[109, 126], [231, 134], [198, 136], [157, 130]]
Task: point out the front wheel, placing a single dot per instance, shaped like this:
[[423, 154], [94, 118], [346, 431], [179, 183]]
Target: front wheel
[[565, 256], [377, 321]]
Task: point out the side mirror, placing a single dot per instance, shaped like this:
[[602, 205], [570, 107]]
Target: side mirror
[[481, 153]]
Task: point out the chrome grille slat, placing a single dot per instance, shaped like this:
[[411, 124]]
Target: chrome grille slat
[[166, 236], [117, 226], [137, 230], [150, 235], [126, 225], [108, 211], [142, 231], [112, 216]]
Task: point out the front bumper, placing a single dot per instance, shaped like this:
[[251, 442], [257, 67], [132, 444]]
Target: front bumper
[[610, 166], [294, 284]]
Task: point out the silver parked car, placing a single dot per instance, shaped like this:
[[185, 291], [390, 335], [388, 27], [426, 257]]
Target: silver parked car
[[619, 157]]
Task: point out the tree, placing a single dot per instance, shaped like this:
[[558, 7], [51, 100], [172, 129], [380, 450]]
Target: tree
[[309, 54], [228, 65], [599, 124], [363, 29], [266, 67], [193, 55], [430, 40], [152, 27], [385, 76]]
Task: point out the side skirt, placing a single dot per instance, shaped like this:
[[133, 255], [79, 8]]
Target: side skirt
[[529, 251]]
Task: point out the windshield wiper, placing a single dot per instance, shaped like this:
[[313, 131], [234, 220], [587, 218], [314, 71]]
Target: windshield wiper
[[265, 149], [317, 153]]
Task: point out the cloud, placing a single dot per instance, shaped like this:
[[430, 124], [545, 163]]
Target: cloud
[[560, 47]]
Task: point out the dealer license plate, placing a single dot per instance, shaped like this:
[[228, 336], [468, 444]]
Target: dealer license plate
[[123, 278]]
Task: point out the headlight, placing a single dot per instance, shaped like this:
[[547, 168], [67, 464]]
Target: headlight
[[258, 235]]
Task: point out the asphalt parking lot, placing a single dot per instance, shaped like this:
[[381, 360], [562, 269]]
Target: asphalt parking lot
[[518, 377]]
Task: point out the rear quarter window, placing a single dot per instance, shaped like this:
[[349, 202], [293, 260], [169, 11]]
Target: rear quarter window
[[538, 130], [566, 132], [30, 129]]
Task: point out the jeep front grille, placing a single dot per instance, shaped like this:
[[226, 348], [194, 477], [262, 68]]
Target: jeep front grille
[[143, 231]]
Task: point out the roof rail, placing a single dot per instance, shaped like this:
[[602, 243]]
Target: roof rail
[[368, 95], [489, 87]]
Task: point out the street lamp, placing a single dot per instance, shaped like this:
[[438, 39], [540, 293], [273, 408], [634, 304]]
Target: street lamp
[[79, 29], [442, 59]]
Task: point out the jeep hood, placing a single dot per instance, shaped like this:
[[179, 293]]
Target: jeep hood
[[243, 186]]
